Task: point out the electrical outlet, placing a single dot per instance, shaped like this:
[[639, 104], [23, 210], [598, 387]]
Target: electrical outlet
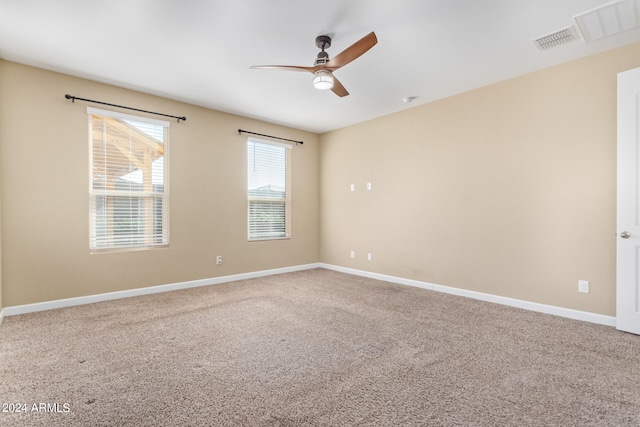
[[353, 187], [219, 259], [353, 254], [368, 186], [583, 286], [369, 256]]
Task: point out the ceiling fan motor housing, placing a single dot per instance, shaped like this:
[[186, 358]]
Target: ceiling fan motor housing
[[321, 59]]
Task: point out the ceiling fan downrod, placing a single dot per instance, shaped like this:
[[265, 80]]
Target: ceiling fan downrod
[[323, 42]]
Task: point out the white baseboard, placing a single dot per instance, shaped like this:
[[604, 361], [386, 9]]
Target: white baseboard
[[89, 299], [527, 305]]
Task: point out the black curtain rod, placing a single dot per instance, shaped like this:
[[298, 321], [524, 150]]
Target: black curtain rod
[[73, 99], [269, 136]]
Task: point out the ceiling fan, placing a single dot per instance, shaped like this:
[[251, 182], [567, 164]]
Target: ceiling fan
[[324, 67]]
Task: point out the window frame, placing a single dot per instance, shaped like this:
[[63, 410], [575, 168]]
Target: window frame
[[286, 199], [147, 239]]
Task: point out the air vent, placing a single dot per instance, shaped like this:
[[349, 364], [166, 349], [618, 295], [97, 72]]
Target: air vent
[[609, 19], [557, 38]]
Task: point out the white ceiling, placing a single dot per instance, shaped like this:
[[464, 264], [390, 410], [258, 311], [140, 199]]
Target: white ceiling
[[200, 51]]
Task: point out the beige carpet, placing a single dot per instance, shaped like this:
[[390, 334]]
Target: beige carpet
[[314, 348]]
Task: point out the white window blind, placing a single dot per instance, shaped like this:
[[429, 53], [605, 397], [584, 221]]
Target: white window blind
[[128, 188], [268, 190]]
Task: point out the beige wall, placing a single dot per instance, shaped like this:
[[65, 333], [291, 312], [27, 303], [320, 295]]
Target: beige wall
[[509, 189], [44, 174]]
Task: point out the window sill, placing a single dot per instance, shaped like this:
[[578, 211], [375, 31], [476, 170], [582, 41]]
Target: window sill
[[120, 250], [266, 239]]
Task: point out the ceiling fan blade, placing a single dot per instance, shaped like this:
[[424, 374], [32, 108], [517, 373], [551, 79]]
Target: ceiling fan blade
[[352, 52], [286, 68], [338, 89]]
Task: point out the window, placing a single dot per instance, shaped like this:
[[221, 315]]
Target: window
[[268, 190], [128, 189]]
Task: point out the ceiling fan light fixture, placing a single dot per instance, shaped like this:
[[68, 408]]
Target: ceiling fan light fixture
[[323, 80]]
